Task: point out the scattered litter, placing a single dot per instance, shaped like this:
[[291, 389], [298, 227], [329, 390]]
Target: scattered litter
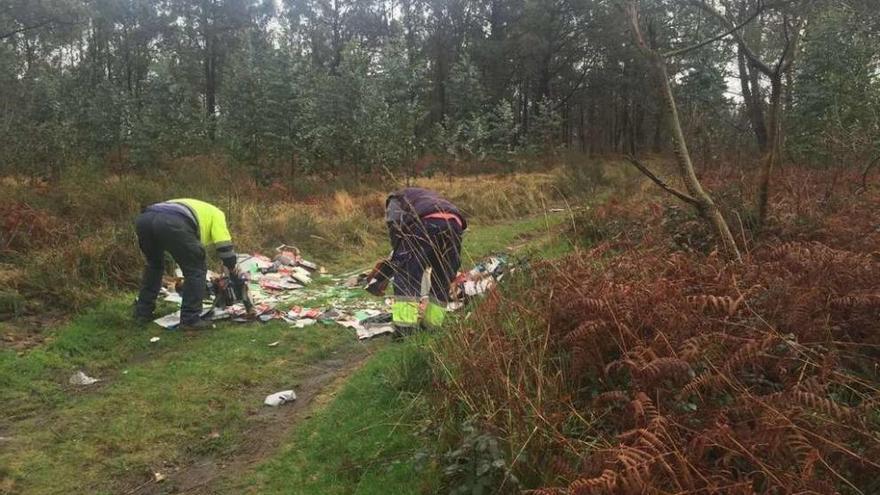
[[301, 275], [214, 435], [454, 306], [171, 321], [557, 210], [269, 283], [174, 297], [158, 477], [168, 321], [80, 378], [309, 265], [253, 264], [477, 287], [370, 323], [279, 398], [304, 322], [154, 340], [286, 278], [124, 372], [480, 279], [364, 333], [366, 314], [275, 344], [330, 315]]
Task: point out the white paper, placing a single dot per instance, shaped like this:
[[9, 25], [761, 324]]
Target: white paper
[[80, 378], [175, 298], [304, 322], [279, 398], [372, 331], [172, 320]]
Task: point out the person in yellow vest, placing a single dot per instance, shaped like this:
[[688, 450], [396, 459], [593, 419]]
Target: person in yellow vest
[[183, 228]]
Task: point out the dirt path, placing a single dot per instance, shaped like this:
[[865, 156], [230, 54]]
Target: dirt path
[[268, 429]]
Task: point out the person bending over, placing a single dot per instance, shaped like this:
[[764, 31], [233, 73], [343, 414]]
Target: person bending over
[[183, 228], [425, 230]]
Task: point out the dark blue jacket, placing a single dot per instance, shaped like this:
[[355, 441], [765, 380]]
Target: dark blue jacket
[[404, 210]]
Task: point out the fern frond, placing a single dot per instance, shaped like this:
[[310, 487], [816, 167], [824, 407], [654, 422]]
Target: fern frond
[[672, 368], [606, 483], [607, 398], [705, 383], [864, 302], [725, 305]]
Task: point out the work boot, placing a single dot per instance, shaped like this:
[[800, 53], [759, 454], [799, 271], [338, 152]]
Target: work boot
[[196, 325]]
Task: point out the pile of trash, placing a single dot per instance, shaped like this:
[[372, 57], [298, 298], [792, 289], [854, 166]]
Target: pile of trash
[[269, 283], [284, 282], [480, 279]]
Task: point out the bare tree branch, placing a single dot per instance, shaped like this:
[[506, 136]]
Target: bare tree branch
[[749, 53], [38, 25], [713, 39], [23, 29], [663, 185], [866, 170]]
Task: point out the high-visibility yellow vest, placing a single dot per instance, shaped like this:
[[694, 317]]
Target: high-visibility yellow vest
[[212, 222]]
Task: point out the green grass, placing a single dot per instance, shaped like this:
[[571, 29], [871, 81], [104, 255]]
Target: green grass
[[189, 397], [482, 240], [156, 410], [367, 440]]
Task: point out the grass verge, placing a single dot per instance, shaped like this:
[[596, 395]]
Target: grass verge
[[159, 406], [370, 439]]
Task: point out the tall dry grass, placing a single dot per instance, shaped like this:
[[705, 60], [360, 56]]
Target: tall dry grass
[[68, 243]]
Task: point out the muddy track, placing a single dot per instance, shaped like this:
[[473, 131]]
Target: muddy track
[[269, 428]]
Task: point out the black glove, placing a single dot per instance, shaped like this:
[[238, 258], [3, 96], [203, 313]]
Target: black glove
[[229, 261], [235, 276], [378, 279]]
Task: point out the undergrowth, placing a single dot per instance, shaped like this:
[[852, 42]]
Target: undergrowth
[[649, 364]]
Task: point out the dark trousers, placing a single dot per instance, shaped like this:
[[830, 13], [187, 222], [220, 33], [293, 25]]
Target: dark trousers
[[432, 243], [160, 232]]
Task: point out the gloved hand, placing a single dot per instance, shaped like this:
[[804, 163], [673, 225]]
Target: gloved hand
[[378, 279], [377, 287], [236, 277]]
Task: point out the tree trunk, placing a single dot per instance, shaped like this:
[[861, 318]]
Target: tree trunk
[[686, 168], [582, 130], [657, 144], [699, 198], [774, 147], [337, 38], [748, 78], [209, 62]]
